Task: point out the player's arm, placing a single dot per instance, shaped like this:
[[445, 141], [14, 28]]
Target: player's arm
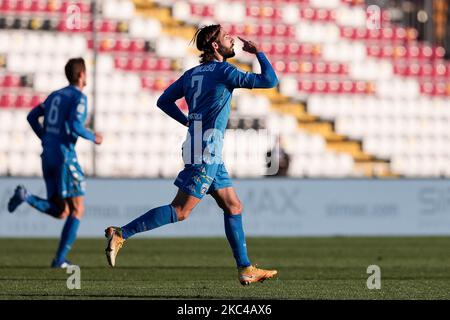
[[239, 79], [77, 120], [33, 120], [166, 102], [267, 78]]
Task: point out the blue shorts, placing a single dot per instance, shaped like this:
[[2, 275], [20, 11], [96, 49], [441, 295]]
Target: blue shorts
[[200, 179], [63, 175]]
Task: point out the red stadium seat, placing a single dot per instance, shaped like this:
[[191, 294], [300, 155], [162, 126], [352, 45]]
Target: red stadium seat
[[279, 48], [137, 46], [399, 52], [387, 34], [413, 70], [107, 26], [265, 30], [122, 45], [84, 7], [374, 51], [53, 6], [293, 67], [426, 70], [306, 50], [12, 80], [267, 47], [440, 70], [106, 45], [8, 100], [36, 100], [90, 44], [361, 33], [147, 83], [279, 66], [281, 30], [321, 86], [401, 69], [120, 63], [440, 89], [292, 48], [305, 67], [149, 64], [163, 64], [400, 34], [412, 52], [373, 34], [23, 101], [439, 53], [426, 88], [347, 87], [304, 85], [8, 5], [23, 5], [333, 86], [333, 68], [134, 64], [387, 51], [360, 87], [38, 6]]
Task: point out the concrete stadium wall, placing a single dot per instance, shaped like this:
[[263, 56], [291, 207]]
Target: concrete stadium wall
[[272, 207]]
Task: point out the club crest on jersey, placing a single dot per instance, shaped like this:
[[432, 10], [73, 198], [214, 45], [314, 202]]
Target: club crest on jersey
[[80, 108]]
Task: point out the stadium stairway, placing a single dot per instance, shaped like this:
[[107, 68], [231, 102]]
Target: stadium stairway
[[365, 164]]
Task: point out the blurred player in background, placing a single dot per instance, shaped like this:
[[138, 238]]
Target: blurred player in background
[[207, 89], [64, 113]]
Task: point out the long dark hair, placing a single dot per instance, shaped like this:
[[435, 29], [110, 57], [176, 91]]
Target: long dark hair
[[203, 38]]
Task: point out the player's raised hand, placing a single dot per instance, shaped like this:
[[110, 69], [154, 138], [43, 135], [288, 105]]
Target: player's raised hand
[[249, 46], [98, 138]]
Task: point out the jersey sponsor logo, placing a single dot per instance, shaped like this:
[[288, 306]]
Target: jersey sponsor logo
[[52, 130]]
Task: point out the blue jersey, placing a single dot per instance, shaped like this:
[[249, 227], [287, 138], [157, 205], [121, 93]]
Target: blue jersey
[[65, 113], [207, 89]]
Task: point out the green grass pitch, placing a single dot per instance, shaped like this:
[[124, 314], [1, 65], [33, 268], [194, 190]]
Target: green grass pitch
[[203, 268]]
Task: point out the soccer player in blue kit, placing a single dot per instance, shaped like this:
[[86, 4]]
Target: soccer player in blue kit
[[64, 113], [207, 89]]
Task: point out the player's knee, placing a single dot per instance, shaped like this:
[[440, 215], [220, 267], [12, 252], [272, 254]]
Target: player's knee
[[235, 208], [78, 212], [64, 213], [182, 213]]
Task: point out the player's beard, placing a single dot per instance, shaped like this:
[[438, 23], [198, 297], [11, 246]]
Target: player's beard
[[226, 52]]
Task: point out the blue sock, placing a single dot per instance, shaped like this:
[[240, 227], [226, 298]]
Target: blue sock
[[152, 219], [68, 236], [236, 238], [43, 205]]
